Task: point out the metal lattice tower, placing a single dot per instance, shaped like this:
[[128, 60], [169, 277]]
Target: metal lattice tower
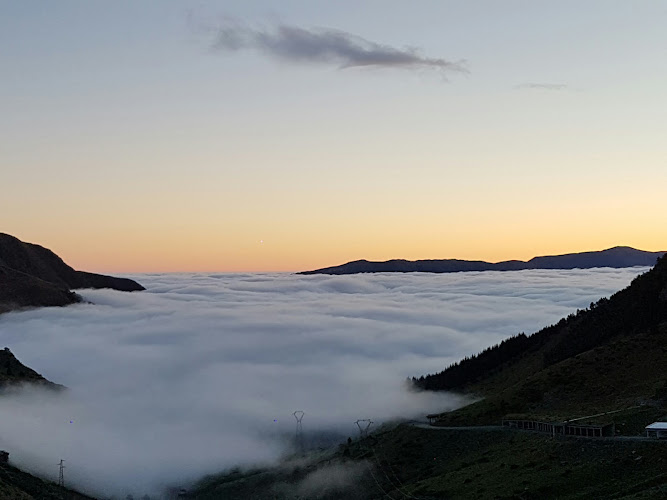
[[61, 476], [298, 415], [364, 425]]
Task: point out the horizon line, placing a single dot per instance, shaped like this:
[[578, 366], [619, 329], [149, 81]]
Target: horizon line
[[376, 261]]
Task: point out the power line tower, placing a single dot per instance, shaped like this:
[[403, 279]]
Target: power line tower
[[364, 425], [61, 476], [298, 415]]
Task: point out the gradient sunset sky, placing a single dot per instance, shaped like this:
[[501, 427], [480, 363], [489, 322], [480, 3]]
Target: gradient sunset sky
[[255, 135]]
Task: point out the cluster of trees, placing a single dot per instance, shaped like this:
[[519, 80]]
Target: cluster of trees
[[639, 308], [470, 369]]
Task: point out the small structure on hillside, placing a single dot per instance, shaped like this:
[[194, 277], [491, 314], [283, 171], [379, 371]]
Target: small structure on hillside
[[433, 418], [657, 430], [567, 428], [4, 457]]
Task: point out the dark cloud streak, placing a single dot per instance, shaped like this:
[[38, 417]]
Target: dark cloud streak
[[325, 46]]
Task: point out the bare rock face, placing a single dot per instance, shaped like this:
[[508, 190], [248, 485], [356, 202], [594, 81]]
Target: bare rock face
[[34, 276]]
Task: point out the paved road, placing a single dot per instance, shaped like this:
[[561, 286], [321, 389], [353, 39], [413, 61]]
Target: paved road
[[423, 425]]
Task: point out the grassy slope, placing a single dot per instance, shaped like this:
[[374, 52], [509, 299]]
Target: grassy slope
[[601, 359], [406, 461], [18, 485], [617, 375], [639, 308]]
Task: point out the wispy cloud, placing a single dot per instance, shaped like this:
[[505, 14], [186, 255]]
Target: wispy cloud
[[542, 86], [325, 46]]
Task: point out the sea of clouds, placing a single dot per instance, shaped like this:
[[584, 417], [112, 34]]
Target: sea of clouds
[[202, 372]]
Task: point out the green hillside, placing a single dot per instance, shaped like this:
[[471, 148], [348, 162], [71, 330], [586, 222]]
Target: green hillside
[[604, 358]]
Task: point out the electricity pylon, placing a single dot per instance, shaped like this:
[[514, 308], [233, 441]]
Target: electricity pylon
[[364, 425], [61, 476], [298, 415]]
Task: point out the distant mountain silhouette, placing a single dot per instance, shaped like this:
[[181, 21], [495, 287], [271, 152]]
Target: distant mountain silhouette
[[33, 276], [613, 257]]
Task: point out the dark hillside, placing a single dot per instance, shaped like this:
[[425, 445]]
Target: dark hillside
[[18, 289], [13, 372], [33, 276], [15, 483], [599, 359], [42, 263], [640, 307], [621, 374]]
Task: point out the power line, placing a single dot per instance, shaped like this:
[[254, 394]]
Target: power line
[[394, 485], [364, 425], [398, 487], [370, 469]]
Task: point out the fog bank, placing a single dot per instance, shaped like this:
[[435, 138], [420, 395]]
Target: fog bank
[[203, 371]]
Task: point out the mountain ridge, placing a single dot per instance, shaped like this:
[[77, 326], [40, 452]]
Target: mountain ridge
[[34, 276], [615, 257]]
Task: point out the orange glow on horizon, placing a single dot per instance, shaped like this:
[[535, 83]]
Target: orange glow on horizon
[[169, 255], [285, 235]]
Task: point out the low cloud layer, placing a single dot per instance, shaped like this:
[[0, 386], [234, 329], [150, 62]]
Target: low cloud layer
[[324, 46], [203, 371]]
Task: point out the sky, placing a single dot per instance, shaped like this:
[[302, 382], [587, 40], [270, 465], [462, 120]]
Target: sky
[[202, 372], [164, 136]]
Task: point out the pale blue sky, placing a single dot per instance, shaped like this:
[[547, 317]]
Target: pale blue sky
[[119, 121]]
